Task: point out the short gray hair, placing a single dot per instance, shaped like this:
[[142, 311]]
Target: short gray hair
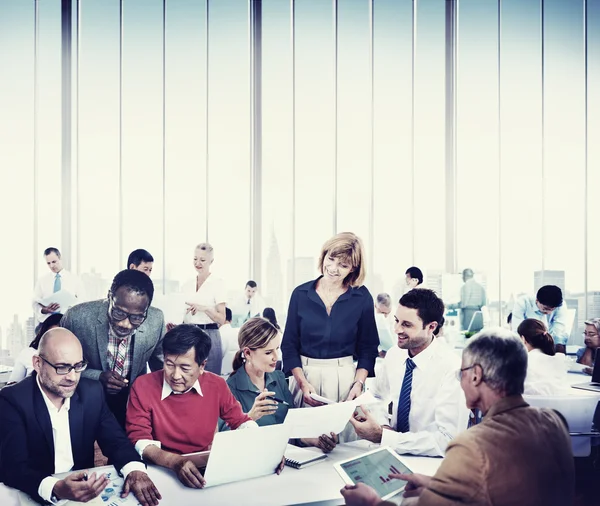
[[502, 357], [385, 299], [595, 322]]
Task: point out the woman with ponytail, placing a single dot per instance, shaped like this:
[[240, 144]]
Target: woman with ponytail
[[261, 389], [546, 369]]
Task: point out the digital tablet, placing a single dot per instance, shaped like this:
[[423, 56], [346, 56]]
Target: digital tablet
[[373, 468], [199, 459]]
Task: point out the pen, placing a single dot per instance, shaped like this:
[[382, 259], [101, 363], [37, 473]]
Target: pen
[[281, 401]]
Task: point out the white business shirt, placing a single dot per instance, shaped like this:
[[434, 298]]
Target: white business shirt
[[63, 452], [229, 345], [45, 287], [211, 293], [438, 411], [23, 364], [546, 374]]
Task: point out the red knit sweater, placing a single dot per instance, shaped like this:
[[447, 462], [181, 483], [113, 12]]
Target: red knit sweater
[[183, 423]]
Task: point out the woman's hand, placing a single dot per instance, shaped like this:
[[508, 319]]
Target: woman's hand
[[308, 389], [263, 405], [195, 308], [355, 391], [325, 442]]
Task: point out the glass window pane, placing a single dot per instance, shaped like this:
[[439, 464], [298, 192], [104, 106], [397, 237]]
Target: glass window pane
[[229, 221], [277, 156], [593, 169], [315, 133], [429, 107], [521, 148], [477, 129], [98, 146], [16, 160], [354, 123], [392, 149], [185, 136], [142, 131]]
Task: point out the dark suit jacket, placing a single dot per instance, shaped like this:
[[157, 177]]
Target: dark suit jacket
[[89, 322], [27, 443]]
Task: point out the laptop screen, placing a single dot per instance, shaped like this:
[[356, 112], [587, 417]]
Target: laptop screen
[[596, 373]]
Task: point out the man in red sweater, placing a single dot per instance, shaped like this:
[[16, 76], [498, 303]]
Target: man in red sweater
[[176, 410]]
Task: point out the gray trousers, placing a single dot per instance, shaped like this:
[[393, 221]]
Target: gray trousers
[[215, 357]]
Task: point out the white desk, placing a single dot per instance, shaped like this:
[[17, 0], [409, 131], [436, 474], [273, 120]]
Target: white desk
[[319, 484]]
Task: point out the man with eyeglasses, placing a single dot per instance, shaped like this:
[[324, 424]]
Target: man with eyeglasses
[[120, 336], [49, 422], [426, 407], [518, 455]]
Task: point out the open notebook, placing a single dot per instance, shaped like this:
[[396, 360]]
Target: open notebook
[[300, 458]]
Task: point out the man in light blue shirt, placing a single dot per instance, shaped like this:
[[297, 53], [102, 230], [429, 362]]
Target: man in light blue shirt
[[547, 306]]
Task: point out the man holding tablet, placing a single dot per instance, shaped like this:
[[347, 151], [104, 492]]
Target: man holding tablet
[[516, 455], [418, 383]]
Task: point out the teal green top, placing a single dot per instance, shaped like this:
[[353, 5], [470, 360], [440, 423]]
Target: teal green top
[[245, 391]]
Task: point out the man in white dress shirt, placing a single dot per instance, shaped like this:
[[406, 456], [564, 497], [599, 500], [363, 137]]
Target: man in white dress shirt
[[56, 280], [250, 305], [426, 406]]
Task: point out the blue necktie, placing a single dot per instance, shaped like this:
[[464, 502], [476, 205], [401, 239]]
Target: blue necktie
[[404, 399], [57, 285]]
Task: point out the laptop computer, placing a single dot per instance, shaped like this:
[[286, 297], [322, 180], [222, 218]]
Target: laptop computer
[[594, 385]]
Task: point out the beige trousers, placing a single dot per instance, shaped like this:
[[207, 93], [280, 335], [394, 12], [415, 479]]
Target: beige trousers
[[332, 378]]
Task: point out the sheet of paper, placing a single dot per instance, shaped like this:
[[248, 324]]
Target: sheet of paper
[[63, 298], [312, 422], [363, 399]]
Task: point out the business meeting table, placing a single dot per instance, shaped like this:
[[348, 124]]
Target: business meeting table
[[318, 484]]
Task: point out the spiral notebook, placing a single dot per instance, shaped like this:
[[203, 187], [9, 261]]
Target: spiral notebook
[[300, 458]]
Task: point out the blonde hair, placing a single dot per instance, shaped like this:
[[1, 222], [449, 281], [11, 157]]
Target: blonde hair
[[204, 246], [348, 247], [256, 333]]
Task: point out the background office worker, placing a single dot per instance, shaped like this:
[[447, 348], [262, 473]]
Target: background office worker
[[176, 410], [205, 307], [56, 280], [329, 320], [49, 422], [547, 306], [119, 335], [255, 381], [141, 260]]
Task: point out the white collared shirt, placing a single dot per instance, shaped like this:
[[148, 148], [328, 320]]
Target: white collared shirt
[[45, 287], [546, 374], [438, 411], [61, 434], [211, 293]]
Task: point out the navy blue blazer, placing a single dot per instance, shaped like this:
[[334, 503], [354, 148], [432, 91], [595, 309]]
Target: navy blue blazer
[[27, 443]]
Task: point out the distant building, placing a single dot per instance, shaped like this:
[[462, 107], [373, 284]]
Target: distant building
[[29, 330], [273, 289], [16, 337], [96, 287], [300, 270], [546, 277]]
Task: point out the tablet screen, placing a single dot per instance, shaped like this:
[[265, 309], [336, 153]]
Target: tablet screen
[[373, 469]]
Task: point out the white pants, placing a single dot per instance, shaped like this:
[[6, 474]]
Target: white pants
[[331, 378]]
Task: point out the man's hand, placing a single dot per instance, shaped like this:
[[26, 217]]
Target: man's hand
[[171, 326], [263, 405], [188, 474], [366, 426], [113, 382], [360, 495], [308, 389], [355, 391], [80, 487], [280, 466], [416, 483], [325, 442], [142, 487], [50, 308]]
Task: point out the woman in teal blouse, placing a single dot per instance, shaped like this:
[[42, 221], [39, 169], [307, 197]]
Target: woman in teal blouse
[[256, 383]]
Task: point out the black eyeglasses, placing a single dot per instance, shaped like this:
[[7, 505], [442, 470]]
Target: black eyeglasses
[[460, 371], [66, 369], [120, 315]]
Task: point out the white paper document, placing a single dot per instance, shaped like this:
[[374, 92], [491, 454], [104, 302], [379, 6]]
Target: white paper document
[[363, 399], [63, 298], [312, 422]]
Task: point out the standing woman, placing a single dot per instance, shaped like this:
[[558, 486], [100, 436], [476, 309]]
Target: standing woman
[[330, 320], [206, 306]]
